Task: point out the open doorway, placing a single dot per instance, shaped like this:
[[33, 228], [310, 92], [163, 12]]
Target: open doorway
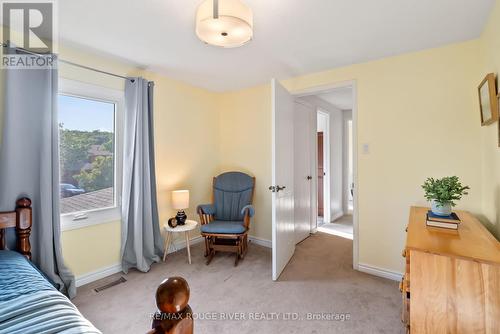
[[333, 164], [295, 173], [323, 165]]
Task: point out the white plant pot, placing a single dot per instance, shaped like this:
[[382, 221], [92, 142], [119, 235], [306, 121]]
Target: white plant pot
[[441, 210]]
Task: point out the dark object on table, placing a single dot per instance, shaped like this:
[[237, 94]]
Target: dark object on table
[[181, 217], [172, 222], [180, 202], [174, 315]]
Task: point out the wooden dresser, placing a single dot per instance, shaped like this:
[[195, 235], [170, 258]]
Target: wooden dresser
[[452, 278]]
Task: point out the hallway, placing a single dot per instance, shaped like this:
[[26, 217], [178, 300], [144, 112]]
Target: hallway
[[341, 227]]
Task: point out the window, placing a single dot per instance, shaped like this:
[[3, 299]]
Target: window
[[89, 159]]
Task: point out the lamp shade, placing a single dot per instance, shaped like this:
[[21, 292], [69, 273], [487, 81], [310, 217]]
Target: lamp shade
[[180, 199], [224, 23]]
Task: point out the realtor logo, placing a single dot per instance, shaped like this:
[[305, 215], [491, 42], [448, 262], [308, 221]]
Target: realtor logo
[[29, 30]]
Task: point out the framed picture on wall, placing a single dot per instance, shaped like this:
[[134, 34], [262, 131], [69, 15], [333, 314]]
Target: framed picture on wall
[[488, 101]]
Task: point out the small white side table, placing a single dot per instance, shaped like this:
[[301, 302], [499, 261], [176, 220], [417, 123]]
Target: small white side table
[[188, 226]]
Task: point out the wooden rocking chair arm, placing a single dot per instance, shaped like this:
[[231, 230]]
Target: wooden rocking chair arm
[[206, 209], [248, 210], [206, 213]]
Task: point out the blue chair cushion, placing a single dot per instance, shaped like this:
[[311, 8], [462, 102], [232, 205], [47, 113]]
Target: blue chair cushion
[[223, 227]]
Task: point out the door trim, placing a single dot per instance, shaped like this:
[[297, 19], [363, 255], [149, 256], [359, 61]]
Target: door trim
[[355, 214], [273, 176], [327, 209]]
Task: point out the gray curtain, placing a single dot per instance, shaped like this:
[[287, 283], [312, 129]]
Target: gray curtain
[[29, 164], [142, 243]]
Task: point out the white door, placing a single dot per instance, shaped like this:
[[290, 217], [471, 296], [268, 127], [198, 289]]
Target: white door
[[303, 175], [282, 177]]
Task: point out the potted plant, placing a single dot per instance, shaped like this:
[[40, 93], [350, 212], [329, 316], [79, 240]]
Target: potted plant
[[442, 193]]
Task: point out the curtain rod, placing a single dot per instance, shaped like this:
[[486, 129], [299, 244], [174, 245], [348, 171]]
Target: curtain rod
[[95, 69], [6, 45]]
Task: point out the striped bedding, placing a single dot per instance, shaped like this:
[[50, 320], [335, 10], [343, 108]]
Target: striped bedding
[[30, 304]]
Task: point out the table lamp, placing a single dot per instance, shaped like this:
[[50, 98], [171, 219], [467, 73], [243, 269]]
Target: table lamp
[[180, 201]]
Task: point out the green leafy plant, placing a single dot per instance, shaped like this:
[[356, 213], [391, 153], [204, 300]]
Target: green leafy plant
[[445, 190]]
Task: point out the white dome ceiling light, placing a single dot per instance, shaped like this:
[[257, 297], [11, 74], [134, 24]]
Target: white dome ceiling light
[[224, 23]]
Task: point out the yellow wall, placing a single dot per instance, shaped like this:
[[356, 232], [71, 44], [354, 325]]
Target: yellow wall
[[245, 145], [430, 95], [418, 114], [417, 111], [186, 144], [489, 48]]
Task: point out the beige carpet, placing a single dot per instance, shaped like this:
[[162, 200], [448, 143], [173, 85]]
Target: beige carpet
[[319, 281]]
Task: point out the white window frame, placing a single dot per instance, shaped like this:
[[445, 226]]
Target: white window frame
[[76, 220]]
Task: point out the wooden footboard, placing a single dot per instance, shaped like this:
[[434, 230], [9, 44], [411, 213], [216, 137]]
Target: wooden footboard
[[174, 315], [21, 220]]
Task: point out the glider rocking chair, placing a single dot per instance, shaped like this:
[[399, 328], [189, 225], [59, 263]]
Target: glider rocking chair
[[225, 223]]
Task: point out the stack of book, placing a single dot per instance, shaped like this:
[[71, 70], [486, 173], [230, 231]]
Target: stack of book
[[450, 222]]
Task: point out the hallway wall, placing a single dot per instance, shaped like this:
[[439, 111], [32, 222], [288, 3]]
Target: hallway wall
[[336, 154]]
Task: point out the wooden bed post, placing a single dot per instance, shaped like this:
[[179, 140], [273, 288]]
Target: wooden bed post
[[174, 315], [23, 226]]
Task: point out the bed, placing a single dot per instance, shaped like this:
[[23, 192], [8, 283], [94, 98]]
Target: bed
[[29, 302]]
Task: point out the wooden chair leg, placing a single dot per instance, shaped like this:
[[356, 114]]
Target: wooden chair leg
[[206, 247], [210, 257], [209, 250], [238, 251], [244, 247]]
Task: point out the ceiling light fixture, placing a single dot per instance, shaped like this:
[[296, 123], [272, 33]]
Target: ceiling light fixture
[[224, 23]]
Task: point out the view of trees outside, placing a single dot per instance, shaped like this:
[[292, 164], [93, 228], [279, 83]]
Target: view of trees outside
[[86, 146], [86, 158]]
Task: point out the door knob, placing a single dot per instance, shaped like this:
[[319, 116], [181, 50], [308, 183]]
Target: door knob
[[309, 177], [276, 189]]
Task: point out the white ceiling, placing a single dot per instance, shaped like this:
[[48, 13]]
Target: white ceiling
[[339, 97], [291, 37]]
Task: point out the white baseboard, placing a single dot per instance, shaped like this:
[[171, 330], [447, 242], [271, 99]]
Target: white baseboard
[[117, 267], [372, 270], [261, 242], [98, 274]]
